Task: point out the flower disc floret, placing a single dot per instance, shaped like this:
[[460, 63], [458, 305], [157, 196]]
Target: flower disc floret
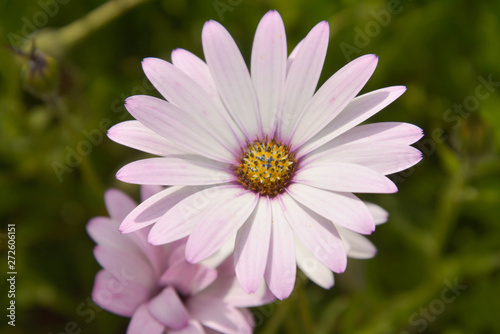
[[266, 167]]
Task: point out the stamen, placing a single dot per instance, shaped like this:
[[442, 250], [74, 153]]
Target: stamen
[[266, 167]]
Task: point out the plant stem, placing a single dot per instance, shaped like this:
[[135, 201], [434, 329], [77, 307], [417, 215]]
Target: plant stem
[[57, 42]]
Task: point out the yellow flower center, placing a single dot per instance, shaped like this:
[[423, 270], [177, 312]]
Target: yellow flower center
[[266, 167]]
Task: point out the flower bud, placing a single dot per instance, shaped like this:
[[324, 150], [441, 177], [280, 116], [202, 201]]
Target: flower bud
[[474, 138], [40, 74]]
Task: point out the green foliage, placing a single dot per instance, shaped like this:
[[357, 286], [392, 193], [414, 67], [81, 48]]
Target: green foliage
[[444, 224]]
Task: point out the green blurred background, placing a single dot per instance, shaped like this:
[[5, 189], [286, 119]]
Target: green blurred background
[[443, 228]]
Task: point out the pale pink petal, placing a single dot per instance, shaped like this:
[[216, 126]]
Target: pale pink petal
[[357, 246], [118, 204], [169, 309], [227, 288], [360, 109], [344, 177], [185, 92], [252, 246], [384, 158], [219, 222], [182, 127], [149, 190], [380, 215], [180, 276], [312, 267], [343, 209], [281, 266], [143, 322], [193, 327], [218, 315], [197, 70], [135, 135], [186, 170], [149, 211], [117, 294], [384, 132], [247, 314], [335, 94], [318, 234], [104, 232], [231, 77], [303, 76], [268, 68], [128, 266], [204, 277]]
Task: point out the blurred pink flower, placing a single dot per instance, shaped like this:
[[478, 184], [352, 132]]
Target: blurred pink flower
[[157, 288], [259, 159]]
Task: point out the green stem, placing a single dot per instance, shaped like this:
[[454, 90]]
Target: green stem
[[398, 309], [303, 308], [58, 41], [448, 209]]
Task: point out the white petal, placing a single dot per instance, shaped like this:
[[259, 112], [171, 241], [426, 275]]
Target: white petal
[[184, 128], [318, 234], [210, 206], [281, 266], [231, 77], [360, 109], [214, 260], [268, 68], [344, 177], [335, 94], [215, 314], [184, 92], [380, 215], [384, 158], [303, 76], [179, 221], [312, 267], [252, 246], [150, 210], [185, 170], [197, 70], [343, 209], [135, 135], [149, 190], [219, 222], [227, 289], [292, 56], [358, 246], [384, 132]]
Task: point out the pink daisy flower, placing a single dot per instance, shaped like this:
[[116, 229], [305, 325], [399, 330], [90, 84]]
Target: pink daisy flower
[[157, 288], [259, 158]]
